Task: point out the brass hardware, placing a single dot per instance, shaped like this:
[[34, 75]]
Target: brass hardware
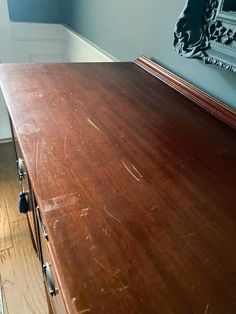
[[44, 230], [50, 282], [21, 169]]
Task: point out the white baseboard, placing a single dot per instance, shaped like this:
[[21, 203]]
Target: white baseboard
[[80, 49], [6, 140]]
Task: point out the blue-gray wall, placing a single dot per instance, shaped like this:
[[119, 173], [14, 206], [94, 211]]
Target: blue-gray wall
[[45, 11], [130, 28]]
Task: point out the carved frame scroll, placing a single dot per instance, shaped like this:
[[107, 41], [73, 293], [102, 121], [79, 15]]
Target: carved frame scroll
[[206, 31]]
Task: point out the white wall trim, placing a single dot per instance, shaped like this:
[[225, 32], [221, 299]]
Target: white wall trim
[[73, 38], [5, 140]]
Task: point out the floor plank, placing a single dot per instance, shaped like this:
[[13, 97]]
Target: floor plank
[[21, 276], [5, 231], [10, 186], [10, 193]]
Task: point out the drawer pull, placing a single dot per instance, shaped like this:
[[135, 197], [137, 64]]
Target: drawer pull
[[50, 282], [42, 223], [23, 203], [21, 169]]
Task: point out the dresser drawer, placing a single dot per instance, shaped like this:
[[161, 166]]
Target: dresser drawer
[[25, 185], [51, 283]]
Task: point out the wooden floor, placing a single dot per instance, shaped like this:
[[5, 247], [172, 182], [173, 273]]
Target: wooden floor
[[23, 289]]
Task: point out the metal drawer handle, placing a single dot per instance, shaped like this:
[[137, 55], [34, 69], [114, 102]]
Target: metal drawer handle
[[21, 169], [50, 282], [42, 223]]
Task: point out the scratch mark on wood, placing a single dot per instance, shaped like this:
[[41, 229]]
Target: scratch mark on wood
[[84, 311], [107, 234], [122, 289], [101, 265], [117, 272], [103, 291], [88, 237], [74, 300], [155, 207], [109, 214], [84, 212], [190, 235], [92, 248], [35, 94], [94, 125], [137, 171], [55, 224], [28, 129], [61, 202], [207, 308], [130, 172]]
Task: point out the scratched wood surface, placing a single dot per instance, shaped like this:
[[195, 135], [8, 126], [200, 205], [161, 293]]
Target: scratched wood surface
[[23, 288], [136, 186]]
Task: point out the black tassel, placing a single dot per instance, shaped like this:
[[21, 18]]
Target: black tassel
[[23, 203]]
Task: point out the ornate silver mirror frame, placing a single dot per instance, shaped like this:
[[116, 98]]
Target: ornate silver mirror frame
[[207, 30]]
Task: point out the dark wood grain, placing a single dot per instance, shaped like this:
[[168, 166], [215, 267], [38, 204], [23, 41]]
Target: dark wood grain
[[136, 186], [202, 99]]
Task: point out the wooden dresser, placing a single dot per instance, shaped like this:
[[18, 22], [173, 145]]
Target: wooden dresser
[[133, 187]]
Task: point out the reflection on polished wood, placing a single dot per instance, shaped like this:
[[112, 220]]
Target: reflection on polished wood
[[23, 288], [136, 186]]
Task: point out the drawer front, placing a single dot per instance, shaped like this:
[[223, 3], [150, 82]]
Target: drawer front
[[25, 185], [50, 278]]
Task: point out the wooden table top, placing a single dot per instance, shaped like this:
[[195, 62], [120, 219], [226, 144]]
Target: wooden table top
[[136, 185]]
